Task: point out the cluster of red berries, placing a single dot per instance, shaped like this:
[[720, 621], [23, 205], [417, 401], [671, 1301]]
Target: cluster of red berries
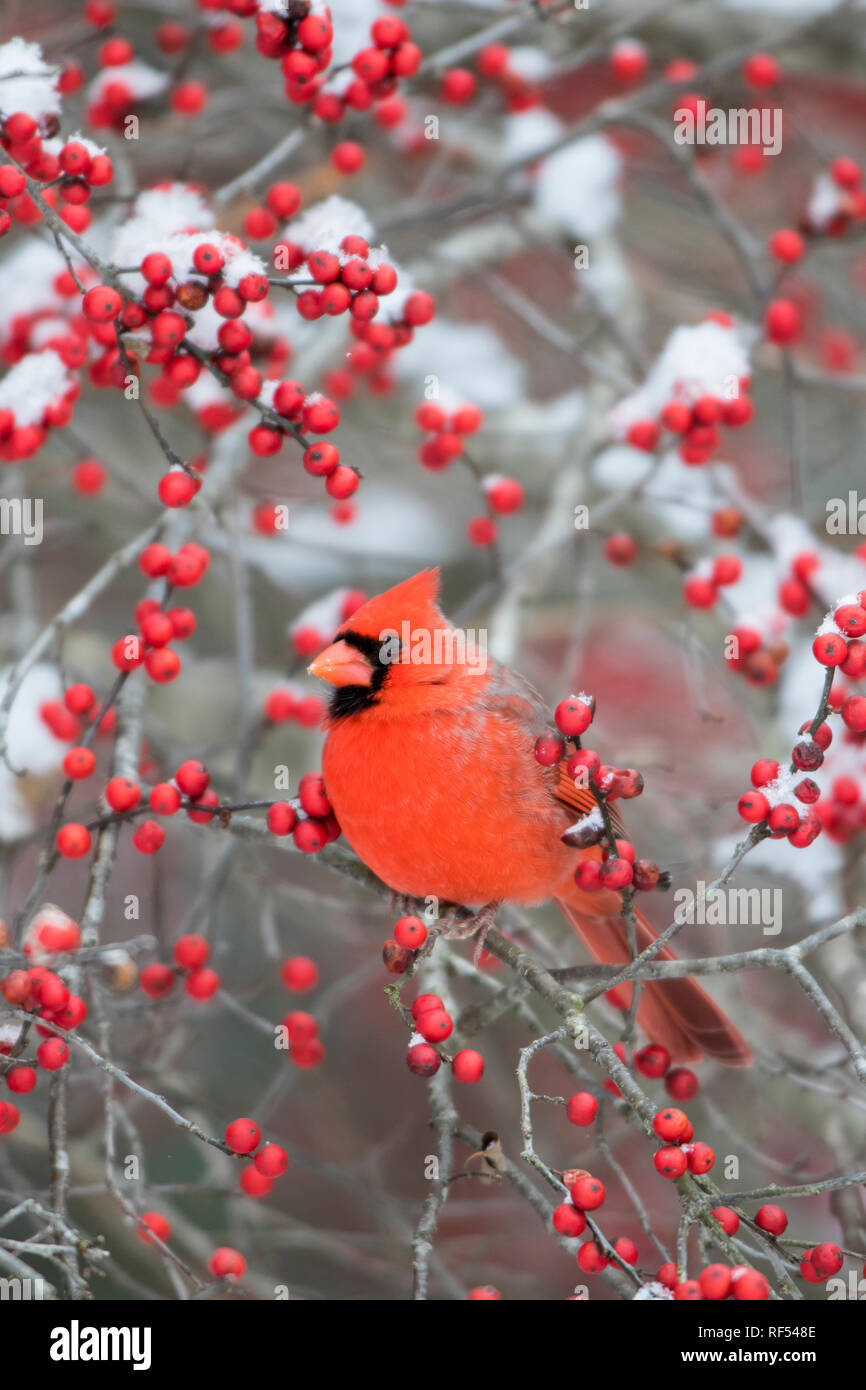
[[44, 994], [349, 283], [696, 423], [433, 1024], [309, 818], [269, 1161], [587, 1194], [377, 68], [445, 442], [191, 956], [716, 1282], [607, 783], [679, 1153], [769, 802], [71, 173]]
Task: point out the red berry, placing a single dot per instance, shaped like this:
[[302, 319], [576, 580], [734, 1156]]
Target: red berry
[[670, 1162], [434, 1025], [164, 799], [202, 983], [829, 649], [568, 1221], [101, 304], [73, 840], [629, 60], [590, 1258], [423, 1060], [748, 1284], [191, 951], [727, 1219], [299, 974], [309, 836], [846, 172], [827, 1259], [271, 1160], [424, 1002], [156, 980], [21, 1080], [458, 86], [782, 321], [854, 713], [549, 750], [52, 1054], [761, 70], [193, 778], [468, 1066], [786, 245], [670, 1124], [253, 1183], [681, 1083], [588, 1193], [282, 818], [419, 308], [149, 837], [573, 716], [410, 932], [652, 1060], [763, 771], [153, 1223], [9, 1116], [753, 807], [700, 1158], [699, 592], [122, 794], [771, 1219], [620, 549], [348, 157], [242, 1136], [226, 1263], [715, 1281], [79, 763]]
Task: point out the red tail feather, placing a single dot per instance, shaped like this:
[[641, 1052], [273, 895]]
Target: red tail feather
[[678, 1014]]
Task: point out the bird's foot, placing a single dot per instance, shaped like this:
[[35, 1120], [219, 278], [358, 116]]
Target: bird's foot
[[456, 928]]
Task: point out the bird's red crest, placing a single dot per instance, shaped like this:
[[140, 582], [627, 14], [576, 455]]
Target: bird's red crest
[[413, 602]]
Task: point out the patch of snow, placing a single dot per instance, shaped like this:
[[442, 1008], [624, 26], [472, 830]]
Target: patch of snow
[[324, 225], [469, 360], [33, 384], [578, 187], [27, 82]]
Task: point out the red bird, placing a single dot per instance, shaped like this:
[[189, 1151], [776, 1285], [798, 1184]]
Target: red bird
[[429, 763]]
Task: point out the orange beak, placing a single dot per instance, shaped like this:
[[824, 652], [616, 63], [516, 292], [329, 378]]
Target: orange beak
[[342, 664]]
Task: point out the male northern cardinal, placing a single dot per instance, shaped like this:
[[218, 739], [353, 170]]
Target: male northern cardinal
[[430, 766]]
